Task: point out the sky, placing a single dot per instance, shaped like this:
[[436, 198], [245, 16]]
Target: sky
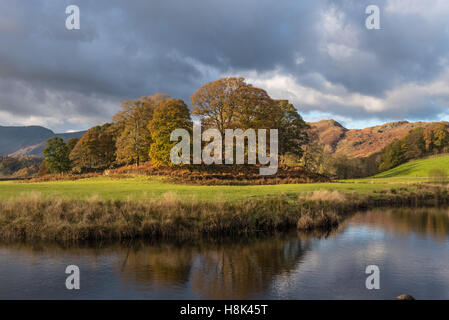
[[318, 54]]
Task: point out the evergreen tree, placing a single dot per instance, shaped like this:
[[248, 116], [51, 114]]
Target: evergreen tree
[[56, 155]]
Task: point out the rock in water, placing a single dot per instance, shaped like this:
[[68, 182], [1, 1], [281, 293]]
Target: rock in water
[[405, 297]]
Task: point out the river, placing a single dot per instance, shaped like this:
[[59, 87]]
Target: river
[[409, 246]]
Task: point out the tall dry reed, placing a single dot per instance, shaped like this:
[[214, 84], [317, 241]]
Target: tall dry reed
[[36, 217]]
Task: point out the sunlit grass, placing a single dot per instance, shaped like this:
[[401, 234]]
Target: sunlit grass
[[417, 169], [140, 187], [151, 188]]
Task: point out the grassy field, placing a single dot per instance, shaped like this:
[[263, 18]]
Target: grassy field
[[417, 169], [140, 187], [106, 188]]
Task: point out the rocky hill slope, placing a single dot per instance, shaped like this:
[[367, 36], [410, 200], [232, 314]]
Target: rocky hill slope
[[362, 142]]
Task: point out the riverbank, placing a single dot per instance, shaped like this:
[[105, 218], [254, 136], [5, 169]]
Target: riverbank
[[35, 217]]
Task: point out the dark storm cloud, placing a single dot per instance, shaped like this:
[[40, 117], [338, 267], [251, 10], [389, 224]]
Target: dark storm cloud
[[316, 53]]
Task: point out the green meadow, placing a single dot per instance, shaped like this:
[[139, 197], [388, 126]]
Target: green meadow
[[106, 188], [418, 169], [141, 187], [415, 171]]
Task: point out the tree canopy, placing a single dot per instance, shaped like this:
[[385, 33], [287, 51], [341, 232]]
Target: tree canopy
[[230, 103], [141, 130], [134, 139], [95, 150], [293, 130], [168, 115], [56, 155]]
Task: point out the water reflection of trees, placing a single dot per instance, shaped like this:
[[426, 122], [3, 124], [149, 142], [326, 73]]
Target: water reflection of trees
[[214, 269], [220, 268], [232, 268], [37, 251], [159, 264], [433, 222], [229, 269], [238, 271]]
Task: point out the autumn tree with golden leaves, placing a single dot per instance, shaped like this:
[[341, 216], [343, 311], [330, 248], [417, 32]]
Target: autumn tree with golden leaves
[[131, 125], [168, 115]]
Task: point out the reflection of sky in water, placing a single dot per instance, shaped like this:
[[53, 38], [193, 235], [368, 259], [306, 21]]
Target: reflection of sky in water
[[334, 268], [289, 267]]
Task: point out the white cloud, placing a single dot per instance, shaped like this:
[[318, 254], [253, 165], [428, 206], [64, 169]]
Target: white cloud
[[286, 87], [428, 9], [52, 108], [404, 100], [338, 38]]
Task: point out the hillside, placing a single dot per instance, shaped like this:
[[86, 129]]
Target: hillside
[[21, 141], [418, 168], [362, 142], [330, 132]]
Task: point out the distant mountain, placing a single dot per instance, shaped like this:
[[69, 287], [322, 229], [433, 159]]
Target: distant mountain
[[330, 132], [20, 141], [363, 142]]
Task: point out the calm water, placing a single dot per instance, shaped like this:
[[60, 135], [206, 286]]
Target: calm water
[[411, 248]]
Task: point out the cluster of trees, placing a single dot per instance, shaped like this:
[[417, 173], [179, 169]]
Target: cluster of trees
[[18, 166], [141, 130], [417, 143], [319, 158], [230, 103]]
